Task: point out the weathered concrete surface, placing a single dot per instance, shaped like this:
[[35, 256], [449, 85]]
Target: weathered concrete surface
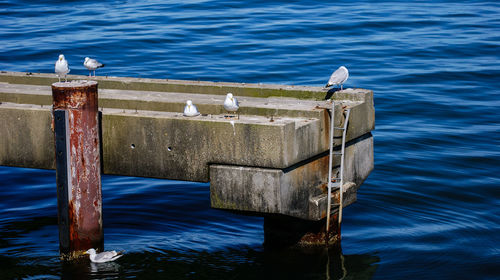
[[271, 132], [164, 144], [274, 154], [360, 101], [26, 138], [299, 191], [168, 145], [168, 85]]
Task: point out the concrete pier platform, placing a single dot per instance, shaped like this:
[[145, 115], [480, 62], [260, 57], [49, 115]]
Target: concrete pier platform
[[273, 159]]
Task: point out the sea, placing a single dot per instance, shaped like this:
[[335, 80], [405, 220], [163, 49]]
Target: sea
[[430, 209]]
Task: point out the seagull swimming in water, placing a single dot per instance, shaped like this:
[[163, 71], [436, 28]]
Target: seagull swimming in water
[[190, 109], [104, 256], [62, 68], [338, 77], [92, 64], [231, 103]]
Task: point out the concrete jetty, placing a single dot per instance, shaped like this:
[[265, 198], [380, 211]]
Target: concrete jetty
[[272, 161]]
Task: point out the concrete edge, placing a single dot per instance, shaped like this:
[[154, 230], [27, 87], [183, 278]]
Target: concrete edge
[[202, 87]]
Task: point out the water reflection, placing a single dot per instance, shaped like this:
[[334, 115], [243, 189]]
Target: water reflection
[[84, 269], [104, 267], [244, 263], [319, 263]]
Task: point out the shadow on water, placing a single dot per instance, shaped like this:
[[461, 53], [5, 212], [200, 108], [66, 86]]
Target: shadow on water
[[231, 264], [244, 263], [318, 263]]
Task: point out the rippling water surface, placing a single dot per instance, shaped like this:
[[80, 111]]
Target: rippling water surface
[[429, 210]]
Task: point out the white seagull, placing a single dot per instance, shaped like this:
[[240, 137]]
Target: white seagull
[[190, 109], [104, 256], [338, 77], [92, 64], [62, 67], [231, 103]]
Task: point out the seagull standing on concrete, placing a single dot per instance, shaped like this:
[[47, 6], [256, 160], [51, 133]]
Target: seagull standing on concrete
[[231, 103], [190, 109], [104, 256], [62, 67], [92, 64], [338, 77]]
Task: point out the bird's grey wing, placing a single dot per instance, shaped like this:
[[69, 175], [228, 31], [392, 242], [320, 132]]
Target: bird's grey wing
[[97, 64], [236, 102], [116, 257], [105, 255], [338, 77], [331, 81], [65, 65], [93, 63]]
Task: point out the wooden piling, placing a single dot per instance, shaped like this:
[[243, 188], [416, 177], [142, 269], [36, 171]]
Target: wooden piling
[[78, 168]]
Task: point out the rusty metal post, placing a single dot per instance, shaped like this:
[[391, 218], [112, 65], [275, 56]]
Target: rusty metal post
[[78, 167]]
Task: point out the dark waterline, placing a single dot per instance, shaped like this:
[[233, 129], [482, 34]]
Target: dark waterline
[[430, 209]]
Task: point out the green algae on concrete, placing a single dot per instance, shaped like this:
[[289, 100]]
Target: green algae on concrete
[[167, 85]]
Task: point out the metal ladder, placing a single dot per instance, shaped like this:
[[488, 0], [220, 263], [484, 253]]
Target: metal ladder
[[336, 182]]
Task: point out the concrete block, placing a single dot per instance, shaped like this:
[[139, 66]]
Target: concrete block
[[168, 145], [26, 138], [298, 191]]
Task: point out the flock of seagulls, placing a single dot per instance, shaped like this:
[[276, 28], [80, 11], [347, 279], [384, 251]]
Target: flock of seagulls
[[62, 67], [231, 104], [338, 77]]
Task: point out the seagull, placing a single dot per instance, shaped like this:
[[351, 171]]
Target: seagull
[[104, 256], [338, 77], [190, 109], [92, 64], [62, 67], [231, 103]]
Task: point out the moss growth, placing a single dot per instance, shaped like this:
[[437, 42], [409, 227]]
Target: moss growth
[[251, 90], [71, 256], [217, 202]]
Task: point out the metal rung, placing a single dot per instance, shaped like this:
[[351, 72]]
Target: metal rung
[[335, 179], [338, 153], [341, 128], [335, 186]]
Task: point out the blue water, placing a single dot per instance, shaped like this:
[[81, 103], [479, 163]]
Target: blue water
[[429, 210]]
